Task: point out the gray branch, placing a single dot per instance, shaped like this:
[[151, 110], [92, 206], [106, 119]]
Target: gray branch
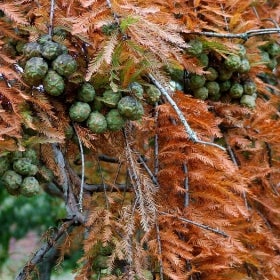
[[217, 231], [83, 170], [69, 198], [192, 135], [244, 36], [51, 17], [41, 254], [148, 170], [186, 185]]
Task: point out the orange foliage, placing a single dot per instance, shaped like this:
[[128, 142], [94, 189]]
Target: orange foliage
[[205, 213]]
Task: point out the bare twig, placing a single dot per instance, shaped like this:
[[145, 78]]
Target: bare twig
[[51, 17], [97, 187], [230, 152], [117, 173], [273, 21], [217, 231], [186, 184], [83, 170], [270, 155], [6, 80], [190, 132], [59, 159], [192, 135], [159, 250], [100, 187], [126, 188], [156, 148], [109, 4], [108, 159], [103, 184], [148, 170], [225, 19], [264, 218], [256, 12], [234, 160]]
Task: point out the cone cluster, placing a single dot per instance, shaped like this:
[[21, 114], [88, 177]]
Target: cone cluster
[[47, 63], [224, 77], [21, 173], [270, 53], [110, 110]]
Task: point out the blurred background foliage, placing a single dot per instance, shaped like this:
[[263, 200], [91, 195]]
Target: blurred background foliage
[[19, 221]]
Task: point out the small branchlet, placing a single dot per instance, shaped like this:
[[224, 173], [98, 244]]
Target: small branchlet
[[83, 170], [51, 17], [217, 231]]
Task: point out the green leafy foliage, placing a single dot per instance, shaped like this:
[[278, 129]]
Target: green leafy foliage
[[17, 216]]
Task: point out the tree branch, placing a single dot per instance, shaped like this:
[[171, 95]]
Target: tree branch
[[234, 160], [83, 170], [73, 216], [108, 159], [186, 185], [103, 184], [244, 36], [148, 170], [39, 256], [156, 149], [51, 17], [217, 231], [159, 250], [189, 131], [69, 198]]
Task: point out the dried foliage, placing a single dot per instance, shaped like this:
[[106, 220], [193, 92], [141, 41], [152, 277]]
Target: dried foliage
[[188, 210]]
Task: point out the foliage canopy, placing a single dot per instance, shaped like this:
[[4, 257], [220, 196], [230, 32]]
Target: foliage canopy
[[157, 125]]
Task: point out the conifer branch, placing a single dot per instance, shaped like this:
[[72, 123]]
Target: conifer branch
[[80, 203], [192, 135], [217, 231], [143, 192]]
